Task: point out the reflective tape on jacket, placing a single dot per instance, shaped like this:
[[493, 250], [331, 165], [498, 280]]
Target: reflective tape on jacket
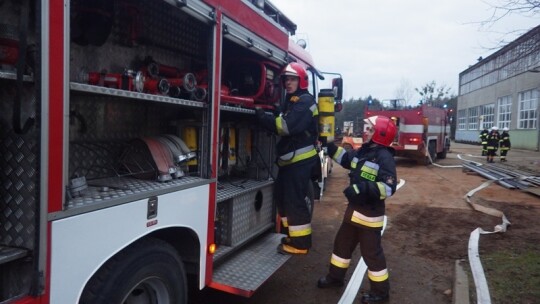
[[281, 126], [378, 276], [300, 230], [284, 222], [339, 262], [297, 155], [369, 171], [374, 222], [339, 154], [314, 109], [384, 190]]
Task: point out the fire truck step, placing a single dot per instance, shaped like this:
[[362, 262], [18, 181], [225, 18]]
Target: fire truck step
[[8, 254], [250, 267]]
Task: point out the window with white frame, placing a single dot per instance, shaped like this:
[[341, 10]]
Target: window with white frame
[[504, 111], [462, 119], [473, 118], [528, 109], [488, 115]]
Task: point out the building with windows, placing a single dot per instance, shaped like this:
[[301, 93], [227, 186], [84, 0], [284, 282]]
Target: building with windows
[[503, 90]]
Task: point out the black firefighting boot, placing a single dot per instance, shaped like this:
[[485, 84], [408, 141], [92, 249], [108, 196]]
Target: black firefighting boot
[[373, 298], [328, 281], [288, 249]]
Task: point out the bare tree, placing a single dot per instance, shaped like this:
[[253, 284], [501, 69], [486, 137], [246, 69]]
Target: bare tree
[[404, 91], [503, 8], [431, 93]]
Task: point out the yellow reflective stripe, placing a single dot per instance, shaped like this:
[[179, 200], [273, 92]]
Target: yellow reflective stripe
[[284, 222], [367, 221], [297, 157], [314, 109], [378, 276], [339, 262], [356, 189], [370, 168], [369, 171], [354, 162], [384, 190], [300, 230], [339, 154], [281, 126]]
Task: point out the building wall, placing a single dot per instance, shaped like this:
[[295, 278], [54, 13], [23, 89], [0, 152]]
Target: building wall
[[516, 74]]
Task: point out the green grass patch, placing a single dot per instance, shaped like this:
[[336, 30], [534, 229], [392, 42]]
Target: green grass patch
[[513, 276]]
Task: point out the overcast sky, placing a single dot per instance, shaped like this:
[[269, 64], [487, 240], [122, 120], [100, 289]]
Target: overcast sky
[[381, 46]]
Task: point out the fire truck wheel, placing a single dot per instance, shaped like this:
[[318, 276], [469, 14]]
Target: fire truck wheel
[[149, 271], [442, 155], [432, 150]]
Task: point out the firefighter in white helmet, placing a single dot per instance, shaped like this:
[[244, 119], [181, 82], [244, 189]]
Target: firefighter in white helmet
[[504, 144], [493, 143], [298, 127], [372, 180]]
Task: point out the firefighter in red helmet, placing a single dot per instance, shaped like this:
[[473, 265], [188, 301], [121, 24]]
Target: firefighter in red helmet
[[372, 180], [297, 124]]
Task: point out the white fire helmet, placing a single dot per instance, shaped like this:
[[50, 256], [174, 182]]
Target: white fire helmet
[[505, 129], [494, 128]]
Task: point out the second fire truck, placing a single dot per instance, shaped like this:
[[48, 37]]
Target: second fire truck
[[423, 131]]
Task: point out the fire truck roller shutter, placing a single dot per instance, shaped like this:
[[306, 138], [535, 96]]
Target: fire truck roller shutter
[[149, 271]]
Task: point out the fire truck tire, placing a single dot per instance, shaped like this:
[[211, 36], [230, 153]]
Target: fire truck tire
[[149, 271], [442, 154], [432, 150]]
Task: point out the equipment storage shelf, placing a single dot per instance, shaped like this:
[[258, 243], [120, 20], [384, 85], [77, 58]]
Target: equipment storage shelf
[[107, 192], [135, 95], [13, 76]]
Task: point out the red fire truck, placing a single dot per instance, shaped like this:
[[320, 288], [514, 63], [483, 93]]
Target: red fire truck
[[131, 162], [423, 131]]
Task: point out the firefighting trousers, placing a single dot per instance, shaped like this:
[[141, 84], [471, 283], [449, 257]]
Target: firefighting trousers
[[347, 238], [504, 151], [290, 192]]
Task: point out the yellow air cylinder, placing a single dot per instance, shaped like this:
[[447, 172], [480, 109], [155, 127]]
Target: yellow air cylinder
[[232, 146], [189, 135], [326, 115]]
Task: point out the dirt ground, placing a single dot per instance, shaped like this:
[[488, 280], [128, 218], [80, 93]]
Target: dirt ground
[[429, 224]]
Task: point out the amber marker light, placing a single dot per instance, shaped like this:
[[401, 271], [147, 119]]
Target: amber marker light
[[212, 248]]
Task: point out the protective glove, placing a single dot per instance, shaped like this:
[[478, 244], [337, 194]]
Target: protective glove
[[351, 192], [259, 113]]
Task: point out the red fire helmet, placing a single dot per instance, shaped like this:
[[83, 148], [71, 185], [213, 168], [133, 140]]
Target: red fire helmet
[[295, 69], [384, 129]]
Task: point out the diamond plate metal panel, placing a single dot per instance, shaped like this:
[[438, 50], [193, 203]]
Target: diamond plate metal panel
[[252, 266], [247, 221], [19, 174]]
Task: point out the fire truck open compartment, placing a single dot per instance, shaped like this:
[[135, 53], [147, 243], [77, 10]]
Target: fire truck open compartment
[[136, 89]]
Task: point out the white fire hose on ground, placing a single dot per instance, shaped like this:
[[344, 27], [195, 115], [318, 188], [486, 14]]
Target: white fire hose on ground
[[482, 290], [351, 291]]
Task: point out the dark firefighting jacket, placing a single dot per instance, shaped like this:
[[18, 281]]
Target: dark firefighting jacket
[[373, 176], [493, 140], [298, 127], [483, 136], [504, 142]]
